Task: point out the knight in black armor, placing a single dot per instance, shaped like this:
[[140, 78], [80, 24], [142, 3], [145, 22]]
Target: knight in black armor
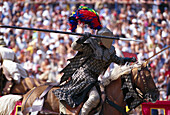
[[93, 58]]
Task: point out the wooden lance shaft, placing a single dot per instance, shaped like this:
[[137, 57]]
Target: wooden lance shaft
[[72, 33]]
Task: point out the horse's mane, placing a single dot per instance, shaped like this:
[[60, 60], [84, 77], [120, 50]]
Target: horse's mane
[[119, 71], [5, 107]]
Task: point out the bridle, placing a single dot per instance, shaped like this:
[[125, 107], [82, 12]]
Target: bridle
[[143, 76], [143, 95]]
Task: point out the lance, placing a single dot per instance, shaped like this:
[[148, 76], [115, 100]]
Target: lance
[[147, 60], [72, 33], [158, 53]]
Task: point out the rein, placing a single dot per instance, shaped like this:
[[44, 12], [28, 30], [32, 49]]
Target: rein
[[119, 108]]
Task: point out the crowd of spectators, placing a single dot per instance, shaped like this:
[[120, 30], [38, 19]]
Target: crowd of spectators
[[44, 54]]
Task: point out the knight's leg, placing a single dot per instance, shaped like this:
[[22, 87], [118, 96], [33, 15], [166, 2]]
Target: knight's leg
[[92, 102]]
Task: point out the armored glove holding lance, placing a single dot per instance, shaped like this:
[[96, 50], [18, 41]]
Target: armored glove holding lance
[[126, 59], [84, 38]]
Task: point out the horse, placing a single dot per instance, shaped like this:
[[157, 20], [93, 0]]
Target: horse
[[26, 84], [9, 87], [127, 85]]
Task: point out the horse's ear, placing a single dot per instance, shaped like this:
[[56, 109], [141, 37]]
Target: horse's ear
[[144, 64]]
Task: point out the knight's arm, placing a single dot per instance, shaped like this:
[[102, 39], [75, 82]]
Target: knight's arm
[[78, 44], [122, 60]]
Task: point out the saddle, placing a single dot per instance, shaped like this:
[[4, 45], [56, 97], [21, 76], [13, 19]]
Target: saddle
[[64, 108]]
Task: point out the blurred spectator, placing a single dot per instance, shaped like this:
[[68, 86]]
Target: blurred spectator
[[142, 55], [45, 67], [39, 58], [44, 54], [53, 71], [162, 83]]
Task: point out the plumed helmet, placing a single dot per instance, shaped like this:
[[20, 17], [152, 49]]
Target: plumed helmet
[[2, 42], [85, 15], [105, 32], [89, 16]]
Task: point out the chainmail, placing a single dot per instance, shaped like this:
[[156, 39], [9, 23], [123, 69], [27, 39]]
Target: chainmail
[[84, 70], [130, 96], [104, 55]]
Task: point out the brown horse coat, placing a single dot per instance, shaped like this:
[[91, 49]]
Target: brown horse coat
[[113, 93]]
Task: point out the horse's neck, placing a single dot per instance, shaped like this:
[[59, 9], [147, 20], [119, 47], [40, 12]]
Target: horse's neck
[[115, 94], [24, 86]]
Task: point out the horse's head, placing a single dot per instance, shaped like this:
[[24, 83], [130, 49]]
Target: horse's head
[[143, 83]]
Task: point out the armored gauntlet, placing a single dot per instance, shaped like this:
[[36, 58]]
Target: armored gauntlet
[[133, 59], [84, 38]]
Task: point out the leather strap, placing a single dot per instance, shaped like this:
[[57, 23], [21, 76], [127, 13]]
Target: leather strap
[[120, 109], [46, 91], [25, 111]]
